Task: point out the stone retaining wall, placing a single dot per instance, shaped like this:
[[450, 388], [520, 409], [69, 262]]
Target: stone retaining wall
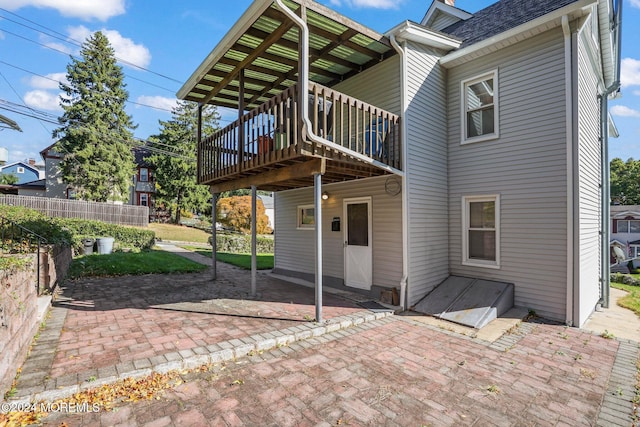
[[19, 307]]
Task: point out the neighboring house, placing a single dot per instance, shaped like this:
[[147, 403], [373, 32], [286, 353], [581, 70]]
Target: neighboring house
[[467, 145], [144, 187], [269, 210], [33, 188], [625, 230], [25, 171], [55, 187]]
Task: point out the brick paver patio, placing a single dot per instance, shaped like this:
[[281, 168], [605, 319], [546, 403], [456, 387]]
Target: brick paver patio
[[357, 368]]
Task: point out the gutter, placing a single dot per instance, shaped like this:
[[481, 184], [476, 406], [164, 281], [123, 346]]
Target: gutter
[[405, 185], [606, 190], [304, 55]]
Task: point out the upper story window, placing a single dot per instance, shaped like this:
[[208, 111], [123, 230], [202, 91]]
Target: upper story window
[[480, 108], [19, 169], [628, 226], [481, 231], [144, 175]]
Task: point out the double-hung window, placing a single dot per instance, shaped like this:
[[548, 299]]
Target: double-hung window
[[481, 231], [480, 108]]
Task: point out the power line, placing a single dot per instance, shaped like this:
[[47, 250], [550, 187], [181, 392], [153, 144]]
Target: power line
[[79, 43], [72, 56]]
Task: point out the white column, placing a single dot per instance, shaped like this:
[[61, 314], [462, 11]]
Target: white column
[[214, 245], [317, 178]]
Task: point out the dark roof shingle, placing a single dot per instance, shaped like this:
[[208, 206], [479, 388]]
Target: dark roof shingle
[[501, 16]]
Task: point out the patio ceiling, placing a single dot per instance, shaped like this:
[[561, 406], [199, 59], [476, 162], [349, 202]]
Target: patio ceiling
[[264, 42]]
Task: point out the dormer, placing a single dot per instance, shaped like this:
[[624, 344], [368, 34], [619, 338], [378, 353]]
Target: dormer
[[442, 14]]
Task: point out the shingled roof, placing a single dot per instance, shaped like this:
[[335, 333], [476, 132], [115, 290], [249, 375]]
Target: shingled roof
[[501, 16]]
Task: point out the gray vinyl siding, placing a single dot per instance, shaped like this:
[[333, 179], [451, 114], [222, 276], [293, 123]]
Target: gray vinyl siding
[[426, 171], [295, 249], [443, 21], [526, 166], [379, 85], [589, 170]]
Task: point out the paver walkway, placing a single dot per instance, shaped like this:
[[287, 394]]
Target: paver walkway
[[358, 368], [395, 372]]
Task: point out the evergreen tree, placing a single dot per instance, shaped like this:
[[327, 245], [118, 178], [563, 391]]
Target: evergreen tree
[[176, 168], [96, 133]]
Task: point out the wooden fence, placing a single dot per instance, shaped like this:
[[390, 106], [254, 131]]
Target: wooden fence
[[62, 208]]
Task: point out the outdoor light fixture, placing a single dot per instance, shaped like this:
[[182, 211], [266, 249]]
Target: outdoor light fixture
[[325, 195]]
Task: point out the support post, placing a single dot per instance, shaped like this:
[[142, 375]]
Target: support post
[[214, 245], [317, 181], [254, 222]]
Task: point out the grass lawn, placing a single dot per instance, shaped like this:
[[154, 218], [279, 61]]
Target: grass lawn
[[179, 233], [632, 299], [125, 263], [264, 261]]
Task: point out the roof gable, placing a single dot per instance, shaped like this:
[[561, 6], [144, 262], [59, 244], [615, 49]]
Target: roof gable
[[440, 12]]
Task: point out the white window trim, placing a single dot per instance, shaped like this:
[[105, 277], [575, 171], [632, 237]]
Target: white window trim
[[20, 169], [299, 224], [463, 108], [466, 200]]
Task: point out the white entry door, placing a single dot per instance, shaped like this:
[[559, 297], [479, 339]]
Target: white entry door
[[358, 254]]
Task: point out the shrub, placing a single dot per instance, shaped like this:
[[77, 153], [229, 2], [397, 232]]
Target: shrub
[[71, 231], [241, 244], [624, 279]]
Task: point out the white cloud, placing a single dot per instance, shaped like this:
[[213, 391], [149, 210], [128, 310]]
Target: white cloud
[[630, 72], [635, 3], [375, 4], [58, 46], [636, 92], [42, 100], [160, 102], [125, 49], [84, 9], [50, 81], [623, 111]]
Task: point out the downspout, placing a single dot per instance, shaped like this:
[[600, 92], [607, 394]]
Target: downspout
[[606, 190], [304, 59], [405, 201], [568, 83]]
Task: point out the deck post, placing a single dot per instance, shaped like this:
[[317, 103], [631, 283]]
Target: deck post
[[254, 263], [317, 178], [214, 243], [241, 129]]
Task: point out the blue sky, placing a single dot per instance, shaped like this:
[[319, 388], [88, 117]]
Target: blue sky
[[169, 39]]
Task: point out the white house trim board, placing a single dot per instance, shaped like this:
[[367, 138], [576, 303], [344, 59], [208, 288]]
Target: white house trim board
[[409, 31]]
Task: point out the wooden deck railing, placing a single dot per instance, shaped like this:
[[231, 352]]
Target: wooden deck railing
[[273, 132]]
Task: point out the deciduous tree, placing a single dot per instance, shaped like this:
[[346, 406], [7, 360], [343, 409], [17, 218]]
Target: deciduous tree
[[235, 213], [625, 181]]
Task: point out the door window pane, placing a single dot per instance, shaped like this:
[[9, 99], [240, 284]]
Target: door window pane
[[358, 224]]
